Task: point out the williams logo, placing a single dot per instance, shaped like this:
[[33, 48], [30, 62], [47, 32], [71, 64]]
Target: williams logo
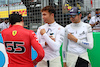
[[14, 32]]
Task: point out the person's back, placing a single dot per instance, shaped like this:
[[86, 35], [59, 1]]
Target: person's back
[[20, 48], [18, 41]]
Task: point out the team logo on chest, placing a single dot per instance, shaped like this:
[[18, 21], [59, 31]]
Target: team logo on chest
[[49, 30], [82, 33], [14, 32]]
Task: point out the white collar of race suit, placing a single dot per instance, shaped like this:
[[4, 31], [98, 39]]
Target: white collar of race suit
[[52, 24]]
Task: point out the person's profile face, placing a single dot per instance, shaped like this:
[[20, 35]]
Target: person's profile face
[[46, 16]]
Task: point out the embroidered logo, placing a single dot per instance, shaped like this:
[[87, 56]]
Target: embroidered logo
[[14, 32]]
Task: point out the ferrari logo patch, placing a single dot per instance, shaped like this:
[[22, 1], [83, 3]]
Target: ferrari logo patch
[[14, 32]]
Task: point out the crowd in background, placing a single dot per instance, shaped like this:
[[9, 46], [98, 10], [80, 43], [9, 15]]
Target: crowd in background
[[94, 21], [4, 24]]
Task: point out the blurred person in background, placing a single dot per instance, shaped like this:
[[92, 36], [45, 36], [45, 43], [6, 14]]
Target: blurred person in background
[[88, 18], [18, 42], [77, 39], [1, 20], [4, 24], [95, 21], [50, 36]]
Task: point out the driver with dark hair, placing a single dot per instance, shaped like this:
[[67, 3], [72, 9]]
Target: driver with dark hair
[[18, 42]]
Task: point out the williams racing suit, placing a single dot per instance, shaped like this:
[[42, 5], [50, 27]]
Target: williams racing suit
[[72, 50]]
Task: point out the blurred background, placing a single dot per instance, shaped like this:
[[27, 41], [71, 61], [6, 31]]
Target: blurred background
[[30, 9]]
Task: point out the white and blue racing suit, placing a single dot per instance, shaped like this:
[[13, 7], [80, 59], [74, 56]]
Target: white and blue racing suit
[[72, 50]]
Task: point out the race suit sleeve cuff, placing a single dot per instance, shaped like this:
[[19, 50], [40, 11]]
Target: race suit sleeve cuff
[[64, 60], [44, 34], [78, 41]]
